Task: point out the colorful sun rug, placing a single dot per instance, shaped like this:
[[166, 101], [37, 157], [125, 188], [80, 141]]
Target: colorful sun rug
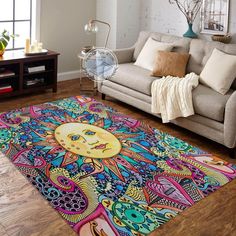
[[104, 172]]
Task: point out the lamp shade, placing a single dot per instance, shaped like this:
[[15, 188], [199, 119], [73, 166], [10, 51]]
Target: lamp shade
[[91, 27]]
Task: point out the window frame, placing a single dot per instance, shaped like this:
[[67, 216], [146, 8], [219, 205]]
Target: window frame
[[34, 21]]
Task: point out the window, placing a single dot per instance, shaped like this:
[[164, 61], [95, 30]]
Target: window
[[19, 17]]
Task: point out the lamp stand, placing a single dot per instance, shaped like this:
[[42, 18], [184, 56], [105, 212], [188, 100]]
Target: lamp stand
[[104, 23]]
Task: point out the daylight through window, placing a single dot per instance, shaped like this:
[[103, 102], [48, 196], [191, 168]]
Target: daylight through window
[[18, 17]]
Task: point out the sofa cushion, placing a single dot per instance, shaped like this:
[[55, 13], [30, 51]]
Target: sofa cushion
[[170, 63], [206, 102], [210, 103], [134, 77], [180, 44], [219, 72], [201, 50], [147, 56]]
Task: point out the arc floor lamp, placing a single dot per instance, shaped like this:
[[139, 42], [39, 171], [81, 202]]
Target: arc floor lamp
[[92, 27]]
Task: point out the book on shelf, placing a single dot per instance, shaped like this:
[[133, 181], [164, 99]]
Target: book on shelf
[[5, 86], [5, 89], [34, 69], [34, 81], [6, 73]]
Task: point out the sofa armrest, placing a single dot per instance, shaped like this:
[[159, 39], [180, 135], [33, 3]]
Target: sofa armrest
[[124, 55], [230, 122]]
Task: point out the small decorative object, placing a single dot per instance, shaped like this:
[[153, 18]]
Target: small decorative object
[[215, 17], [190, 9], [35, 49], [40, 47], [27, 45], [222, 38], [92, 27], [4, 40]]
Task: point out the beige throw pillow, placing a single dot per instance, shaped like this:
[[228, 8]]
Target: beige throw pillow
[[147, 56], [170, 63], [219, 71]]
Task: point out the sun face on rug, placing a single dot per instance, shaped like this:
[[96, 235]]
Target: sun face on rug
[[87, 140]]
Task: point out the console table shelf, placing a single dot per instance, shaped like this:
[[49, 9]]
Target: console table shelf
[[15, 73]]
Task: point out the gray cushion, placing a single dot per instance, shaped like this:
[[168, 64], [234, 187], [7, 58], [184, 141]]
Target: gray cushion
[[200, 50], [134, 77], [206, 101], [209, 103], [142, 39], [180, 44]]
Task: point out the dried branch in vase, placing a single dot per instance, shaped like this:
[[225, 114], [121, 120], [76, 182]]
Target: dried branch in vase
[[190, 8]]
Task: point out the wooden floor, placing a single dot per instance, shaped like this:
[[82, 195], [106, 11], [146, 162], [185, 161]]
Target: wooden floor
[[24, 212]]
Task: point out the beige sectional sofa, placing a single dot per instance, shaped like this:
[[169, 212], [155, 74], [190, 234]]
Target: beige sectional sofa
[[215, 114]]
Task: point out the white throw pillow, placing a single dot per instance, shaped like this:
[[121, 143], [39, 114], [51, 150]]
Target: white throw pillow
[[147, 56], [219, 72]]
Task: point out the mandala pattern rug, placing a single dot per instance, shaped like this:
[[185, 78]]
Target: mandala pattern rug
[[104, 172]]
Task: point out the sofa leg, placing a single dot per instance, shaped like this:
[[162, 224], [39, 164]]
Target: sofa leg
[[232, 153], [103, 96]]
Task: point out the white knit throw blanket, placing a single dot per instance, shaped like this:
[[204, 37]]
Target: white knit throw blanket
[[172, 96]]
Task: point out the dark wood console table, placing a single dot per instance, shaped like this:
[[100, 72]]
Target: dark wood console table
[[20, 74]]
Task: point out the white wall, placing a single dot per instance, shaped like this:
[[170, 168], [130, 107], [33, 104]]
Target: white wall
[[124, 18], [62, 24], [106, 11], [128, 22], [62, 29], [160, 16]]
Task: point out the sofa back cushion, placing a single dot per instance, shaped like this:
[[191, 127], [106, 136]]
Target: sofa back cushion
[[201, 50], [180, 44]]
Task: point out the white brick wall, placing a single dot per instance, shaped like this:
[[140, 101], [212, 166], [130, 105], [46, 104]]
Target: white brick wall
[[160, 16]]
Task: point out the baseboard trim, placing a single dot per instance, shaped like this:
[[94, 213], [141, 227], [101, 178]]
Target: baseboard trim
[[70, 75]]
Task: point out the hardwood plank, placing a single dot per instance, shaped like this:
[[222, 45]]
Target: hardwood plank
[[23, 211]]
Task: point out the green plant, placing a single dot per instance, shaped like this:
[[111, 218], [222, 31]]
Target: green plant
[[4, 39]]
